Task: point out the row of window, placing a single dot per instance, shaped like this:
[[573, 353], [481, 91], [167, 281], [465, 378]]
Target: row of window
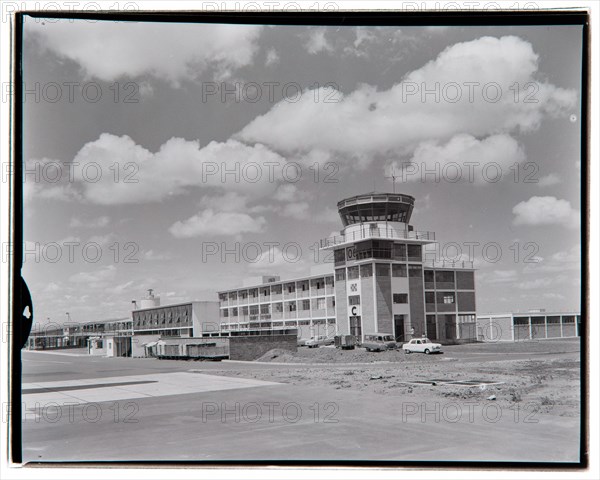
[[168, 316], [287, 323], [442, 297], [541, 320], [265, 292], [381, 270], [397, 297], [378, 249], [291, 306]]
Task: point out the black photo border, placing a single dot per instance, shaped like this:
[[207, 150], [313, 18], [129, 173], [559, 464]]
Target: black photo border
[[19, 332]]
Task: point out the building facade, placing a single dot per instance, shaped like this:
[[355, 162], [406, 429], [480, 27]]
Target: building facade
[[379, 282], [190, 319], [538, 325], [306, 304]]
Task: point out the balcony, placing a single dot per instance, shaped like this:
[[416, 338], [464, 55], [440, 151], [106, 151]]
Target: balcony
[[375, 233]]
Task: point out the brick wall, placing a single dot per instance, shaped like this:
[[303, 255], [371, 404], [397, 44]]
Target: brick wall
[[252, 347]]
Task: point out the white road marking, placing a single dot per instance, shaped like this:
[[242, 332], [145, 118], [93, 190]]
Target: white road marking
[[163, 384]]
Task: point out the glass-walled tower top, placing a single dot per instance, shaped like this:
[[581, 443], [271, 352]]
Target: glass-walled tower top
[[376, 207]]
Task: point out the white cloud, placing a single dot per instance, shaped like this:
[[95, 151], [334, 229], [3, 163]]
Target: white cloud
[[111, 50], [548, 180], [561, 261], [288, 192], [272, 57], [103, 240], [151, 255], [463, 158], [229, 202], [545, 211], [177, 167], [297, 211], [210, 222], [401, 118], [275, 260], [98, 277], [499, 276], [98, 222], [317, 42]]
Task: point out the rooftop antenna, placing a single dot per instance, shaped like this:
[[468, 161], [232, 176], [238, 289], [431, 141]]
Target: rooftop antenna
[[393, 176]]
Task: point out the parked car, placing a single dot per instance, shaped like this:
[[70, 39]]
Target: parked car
[[319, 340], [423, 345], [378, 342], [345, 342], [301, 342]]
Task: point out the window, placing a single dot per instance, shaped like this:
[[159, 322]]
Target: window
[[243, 295], [354, 300], [339, 256], [305, 304], [254, 310], [398, 270], [291, 307], [414, 252], [264, 309], [382, 249], [429, 297], [276, 290], [321, 303], [414, 271], [400, 297], [466, 318], [232, 295], [234, 312], [340, 274], [399, 251], [291, 287], [444, 279], [382, 269], [366, 270], [352, 273], [448, 298], [278, 307]]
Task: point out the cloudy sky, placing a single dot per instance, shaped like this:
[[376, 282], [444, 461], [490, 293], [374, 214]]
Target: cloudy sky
[[155, 149]]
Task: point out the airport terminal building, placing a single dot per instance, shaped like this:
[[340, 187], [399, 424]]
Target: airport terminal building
[[379, 282]]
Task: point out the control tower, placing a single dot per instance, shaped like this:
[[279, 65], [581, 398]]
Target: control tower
[[383, 285]]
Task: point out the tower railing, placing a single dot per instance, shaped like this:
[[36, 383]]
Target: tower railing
[[368, 232], [448, 264]]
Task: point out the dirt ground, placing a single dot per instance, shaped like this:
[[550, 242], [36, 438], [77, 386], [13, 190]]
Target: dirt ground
[[540, 377]]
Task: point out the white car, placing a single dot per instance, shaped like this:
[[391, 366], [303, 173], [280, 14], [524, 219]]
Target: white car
[[423, 345]]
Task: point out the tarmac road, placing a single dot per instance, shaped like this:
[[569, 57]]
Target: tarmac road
[[81, 408]]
